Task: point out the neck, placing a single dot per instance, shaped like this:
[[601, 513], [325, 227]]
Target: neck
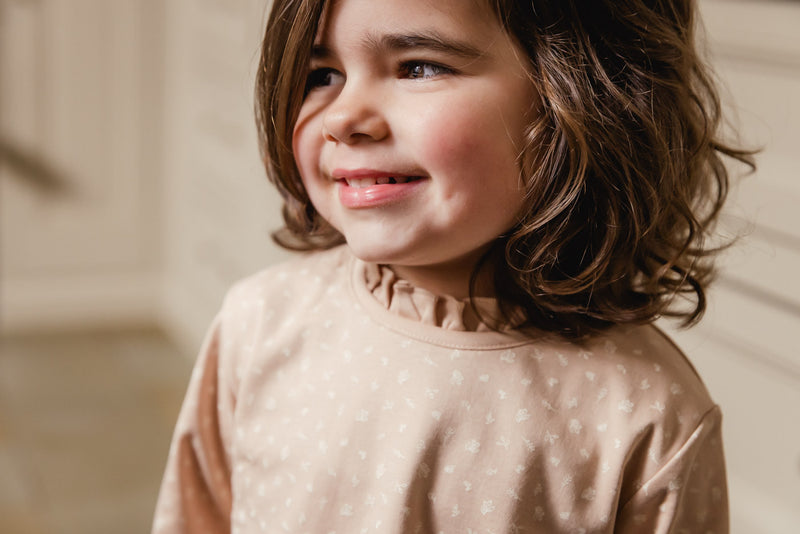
[[452, 278]]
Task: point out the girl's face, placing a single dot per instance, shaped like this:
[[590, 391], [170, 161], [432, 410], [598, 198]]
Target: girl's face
[[408, 139]]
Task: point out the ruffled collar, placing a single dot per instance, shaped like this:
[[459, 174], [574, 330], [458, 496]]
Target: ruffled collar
[[403, 299]]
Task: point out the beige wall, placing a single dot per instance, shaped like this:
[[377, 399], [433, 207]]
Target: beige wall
[[219, 206], [746, 348], [79, 170]]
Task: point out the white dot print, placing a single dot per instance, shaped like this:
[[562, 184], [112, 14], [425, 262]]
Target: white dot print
[[626, 406], [522, 415], [457, 378], [342, 410], [575, 426], [473, 446]]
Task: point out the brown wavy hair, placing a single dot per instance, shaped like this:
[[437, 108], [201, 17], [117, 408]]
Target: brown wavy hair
[[623, 165]]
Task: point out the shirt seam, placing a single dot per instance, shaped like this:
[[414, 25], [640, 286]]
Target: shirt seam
[[715, 409]]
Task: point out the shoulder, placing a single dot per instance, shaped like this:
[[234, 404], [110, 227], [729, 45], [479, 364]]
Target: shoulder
[[634, 384], [638, 362], [282, 295], [630, 397], [649, 395], [645, 363], [647, 379], [300, 273]]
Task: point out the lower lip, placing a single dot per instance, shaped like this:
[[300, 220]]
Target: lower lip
[[376, 195]]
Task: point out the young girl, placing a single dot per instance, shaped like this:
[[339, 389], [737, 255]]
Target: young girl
[[498, 198]]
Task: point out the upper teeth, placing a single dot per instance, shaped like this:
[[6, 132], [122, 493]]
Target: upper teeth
[[367, 182]]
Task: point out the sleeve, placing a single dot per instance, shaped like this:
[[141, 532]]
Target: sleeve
[[195, 493], [688, 494]]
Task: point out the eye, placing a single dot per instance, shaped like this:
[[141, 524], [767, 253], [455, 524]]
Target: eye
[[323, 77], [422, 70]]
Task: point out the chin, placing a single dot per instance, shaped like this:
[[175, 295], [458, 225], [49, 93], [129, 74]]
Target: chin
[[383, 253], [371, 254]]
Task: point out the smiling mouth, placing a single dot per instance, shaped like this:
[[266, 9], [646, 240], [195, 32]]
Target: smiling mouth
[[370, 188], [360, 183]]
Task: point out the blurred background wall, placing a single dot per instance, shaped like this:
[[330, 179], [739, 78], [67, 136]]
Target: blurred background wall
[[747, 348], [132, 186], [132, 195]]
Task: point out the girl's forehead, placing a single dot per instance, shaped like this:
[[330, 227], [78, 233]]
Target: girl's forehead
[[443, 5], [351, 19]]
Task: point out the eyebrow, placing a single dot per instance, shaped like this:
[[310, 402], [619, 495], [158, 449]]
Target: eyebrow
[[402, 42], [431, 41]]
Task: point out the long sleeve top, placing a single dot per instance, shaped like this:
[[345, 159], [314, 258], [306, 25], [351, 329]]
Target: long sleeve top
[[331, 397]]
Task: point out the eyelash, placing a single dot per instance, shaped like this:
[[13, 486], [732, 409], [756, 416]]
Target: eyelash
[[321, 77], [407, 68]]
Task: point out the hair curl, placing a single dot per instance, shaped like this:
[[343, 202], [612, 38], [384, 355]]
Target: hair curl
[[622, 166]]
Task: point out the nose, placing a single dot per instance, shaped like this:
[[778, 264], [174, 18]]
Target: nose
[[355, 115]]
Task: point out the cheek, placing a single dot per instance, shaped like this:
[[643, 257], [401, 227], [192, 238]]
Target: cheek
[[472, 143], [301, 148], [448, 143], [307, 144], [307, 140], [306, 156], [476, 151]]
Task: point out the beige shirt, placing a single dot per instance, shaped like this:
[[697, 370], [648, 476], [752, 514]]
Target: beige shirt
[[331, 397]]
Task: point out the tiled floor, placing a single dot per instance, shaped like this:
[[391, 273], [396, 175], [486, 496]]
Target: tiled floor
[[85, 423]]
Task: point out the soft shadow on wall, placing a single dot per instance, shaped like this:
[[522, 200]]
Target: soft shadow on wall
[[746, 348]]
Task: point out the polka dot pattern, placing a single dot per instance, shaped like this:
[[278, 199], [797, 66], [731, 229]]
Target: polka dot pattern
[[316, 408]]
